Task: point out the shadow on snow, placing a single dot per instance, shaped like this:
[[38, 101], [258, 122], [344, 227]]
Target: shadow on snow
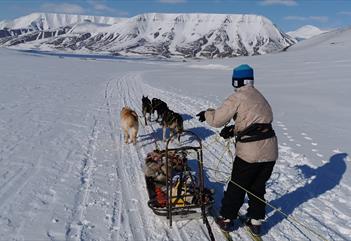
[[326, 177], [201, 132], [186, 117]]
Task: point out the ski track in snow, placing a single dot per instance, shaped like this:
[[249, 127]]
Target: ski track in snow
[[78, 225], [130, 99]]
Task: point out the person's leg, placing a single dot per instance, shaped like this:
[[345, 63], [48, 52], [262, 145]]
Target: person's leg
[[234, 196], [257, 208]]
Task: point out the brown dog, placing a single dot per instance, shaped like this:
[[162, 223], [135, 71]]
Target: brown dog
[[129, 120]]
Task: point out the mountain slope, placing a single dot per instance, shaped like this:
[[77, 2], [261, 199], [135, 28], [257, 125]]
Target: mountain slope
[[333, 41], [186, 35], [47, 21]]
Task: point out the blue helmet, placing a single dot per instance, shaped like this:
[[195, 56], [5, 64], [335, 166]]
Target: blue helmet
[[242, 75]]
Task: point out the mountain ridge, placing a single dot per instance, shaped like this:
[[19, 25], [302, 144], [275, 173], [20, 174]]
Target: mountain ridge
[[185, 35]]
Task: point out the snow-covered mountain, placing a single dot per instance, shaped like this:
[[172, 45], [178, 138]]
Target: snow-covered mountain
[[185, 35], [49, 21], [306, 32]]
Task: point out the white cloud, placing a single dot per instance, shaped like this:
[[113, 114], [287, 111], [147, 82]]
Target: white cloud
[[121, 13], [62, 8], [319, 18], [99, 5], [314, 18], [345, 13], [279, 2], [295, 18], [172, 1]]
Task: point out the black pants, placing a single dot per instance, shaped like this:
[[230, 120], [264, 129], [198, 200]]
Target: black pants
[[253, 177]]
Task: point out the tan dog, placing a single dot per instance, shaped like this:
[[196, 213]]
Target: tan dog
[[129, 120]]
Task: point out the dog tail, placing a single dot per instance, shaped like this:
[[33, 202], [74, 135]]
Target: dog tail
[[135, 115]]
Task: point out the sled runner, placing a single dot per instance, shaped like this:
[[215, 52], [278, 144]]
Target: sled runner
[[175, 182]]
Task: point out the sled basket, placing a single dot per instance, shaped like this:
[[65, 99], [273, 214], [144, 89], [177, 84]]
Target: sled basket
[[175, 182]]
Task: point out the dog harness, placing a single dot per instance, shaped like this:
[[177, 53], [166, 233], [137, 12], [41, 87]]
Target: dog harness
[[170, 118]]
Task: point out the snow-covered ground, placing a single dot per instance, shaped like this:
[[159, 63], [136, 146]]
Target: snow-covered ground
[[67, 175]]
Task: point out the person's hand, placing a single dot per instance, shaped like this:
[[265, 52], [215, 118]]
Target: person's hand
[[227, 132], [201, 116]]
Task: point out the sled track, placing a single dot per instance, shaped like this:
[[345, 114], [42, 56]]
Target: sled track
[[131, 84], [129, 93], [117, 197], [76, 225], [181, 234], [129, 211]]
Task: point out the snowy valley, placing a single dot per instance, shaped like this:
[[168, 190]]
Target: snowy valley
[[66, 173]]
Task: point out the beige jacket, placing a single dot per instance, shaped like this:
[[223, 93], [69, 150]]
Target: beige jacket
[[246, 106]]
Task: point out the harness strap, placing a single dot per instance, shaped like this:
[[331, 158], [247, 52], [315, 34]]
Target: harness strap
[[256, 132], [157, 104], [170, 118], [147, 106]]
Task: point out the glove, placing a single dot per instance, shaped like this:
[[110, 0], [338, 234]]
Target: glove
[[227, 132], [201, 116]]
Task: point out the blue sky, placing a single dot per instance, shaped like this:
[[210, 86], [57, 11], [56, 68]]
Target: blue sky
[[287, 14]]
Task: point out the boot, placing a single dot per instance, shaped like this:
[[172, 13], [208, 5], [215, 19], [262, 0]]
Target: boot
[[254, 225], [225, 224]]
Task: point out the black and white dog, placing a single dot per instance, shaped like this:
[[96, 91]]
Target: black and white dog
[[173, 121], [146, 107], [159, 106]]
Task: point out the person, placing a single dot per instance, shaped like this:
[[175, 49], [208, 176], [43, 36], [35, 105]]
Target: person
[[256, 148]]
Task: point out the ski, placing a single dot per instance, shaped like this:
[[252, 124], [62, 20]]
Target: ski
[[241, 223], [252, 236], [248, 231], [227, 235]]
